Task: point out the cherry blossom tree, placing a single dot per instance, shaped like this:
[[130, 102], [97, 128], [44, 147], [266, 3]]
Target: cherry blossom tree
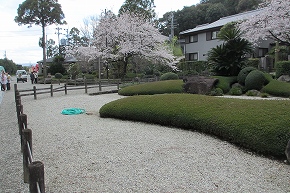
[[118, 38], [271, 22]]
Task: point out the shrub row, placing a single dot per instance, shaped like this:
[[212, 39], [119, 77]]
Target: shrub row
[[160, 87], [262, 126]]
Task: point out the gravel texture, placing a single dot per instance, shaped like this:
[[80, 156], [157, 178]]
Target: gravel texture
[[86, 153]]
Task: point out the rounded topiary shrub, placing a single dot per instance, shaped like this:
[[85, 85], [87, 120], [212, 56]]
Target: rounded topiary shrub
[[253, 93], [169, 76], [244, 73], [58, 75], [236, 91], [255, 80], [216, 92]]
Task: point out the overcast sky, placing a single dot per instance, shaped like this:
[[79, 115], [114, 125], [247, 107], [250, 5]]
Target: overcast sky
[[20, 43]]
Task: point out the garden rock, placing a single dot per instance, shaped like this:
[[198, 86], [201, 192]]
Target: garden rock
[[199, 84], [284, 78], [287, 151]]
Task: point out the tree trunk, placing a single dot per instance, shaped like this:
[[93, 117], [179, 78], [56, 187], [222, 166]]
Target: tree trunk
[[44, 51]]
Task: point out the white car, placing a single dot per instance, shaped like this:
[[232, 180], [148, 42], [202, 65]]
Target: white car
[[21, 75]]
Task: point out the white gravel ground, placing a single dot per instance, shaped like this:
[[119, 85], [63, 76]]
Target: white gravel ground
[[86, 153]]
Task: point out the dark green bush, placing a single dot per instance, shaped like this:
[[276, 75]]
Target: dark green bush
[[262, 126], [264, 95], [225, 82], [243, 74], [236, 91], [277, 88], [159, 87], [169, 76], [253, 62], [252, 93], [58, 75], [282, 68], [216, 92], [255, 80]]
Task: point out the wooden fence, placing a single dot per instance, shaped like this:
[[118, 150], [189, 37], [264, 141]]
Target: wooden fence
[[33, 171], [84, 84]]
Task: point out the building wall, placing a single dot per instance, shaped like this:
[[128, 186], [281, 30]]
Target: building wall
[[202, 46]]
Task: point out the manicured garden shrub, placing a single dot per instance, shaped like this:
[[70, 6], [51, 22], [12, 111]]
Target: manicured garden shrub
[[216, 92], [277, 88], [236, 91], [225, 82], [282, 68], [269, 77], [264, 95], [58, 75], [253, 93], [259, 125], [159, 87], [253, 62], [169, 76], [243, 74], [255, 80]]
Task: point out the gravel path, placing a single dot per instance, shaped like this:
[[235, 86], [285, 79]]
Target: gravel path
[[86, 153]]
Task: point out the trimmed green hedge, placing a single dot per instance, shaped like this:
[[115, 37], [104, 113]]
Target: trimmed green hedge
[[225, 82], [259, 125], [277, 88], [282, 68], [169, 76], [159, 87]]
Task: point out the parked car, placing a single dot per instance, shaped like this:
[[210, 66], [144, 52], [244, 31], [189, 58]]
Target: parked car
[[21, 75]]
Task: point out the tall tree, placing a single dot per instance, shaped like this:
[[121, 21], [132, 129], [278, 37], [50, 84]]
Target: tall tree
[[214, 11], [272, 22], [42, 13], [142, 8], [51, 48], [119, 38], [9, 65]]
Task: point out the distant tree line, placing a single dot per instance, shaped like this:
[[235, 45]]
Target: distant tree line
[[206, 11]]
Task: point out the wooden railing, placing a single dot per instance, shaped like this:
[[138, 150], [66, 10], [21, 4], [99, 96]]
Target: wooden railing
[[33, 171]]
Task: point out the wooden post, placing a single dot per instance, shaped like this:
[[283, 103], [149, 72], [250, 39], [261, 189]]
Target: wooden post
[[27, 137], [19, 111], [22, 126], [34, 92], [86, 86], [36, 171], [100, 85], [51, 90], [18, 101], [65, 89]]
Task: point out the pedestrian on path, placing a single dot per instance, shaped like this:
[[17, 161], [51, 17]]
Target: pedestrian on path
[[3, 81], [32, 77], [8, 80], [35, 77]]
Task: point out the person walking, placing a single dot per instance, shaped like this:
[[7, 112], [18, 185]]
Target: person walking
[[8, 80], [3, 81], [32, 77], [35, 77]]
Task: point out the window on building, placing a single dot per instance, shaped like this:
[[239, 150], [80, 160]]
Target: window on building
[[214, 35], [211, 35], [193, 56], [262, 52], [193, 38]]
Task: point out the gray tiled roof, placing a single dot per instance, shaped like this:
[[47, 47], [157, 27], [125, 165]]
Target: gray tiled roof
[[222, 21]]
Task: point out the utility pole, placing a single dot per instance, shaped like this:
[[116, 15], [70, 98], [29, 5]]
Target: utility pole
[[172, 27]]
